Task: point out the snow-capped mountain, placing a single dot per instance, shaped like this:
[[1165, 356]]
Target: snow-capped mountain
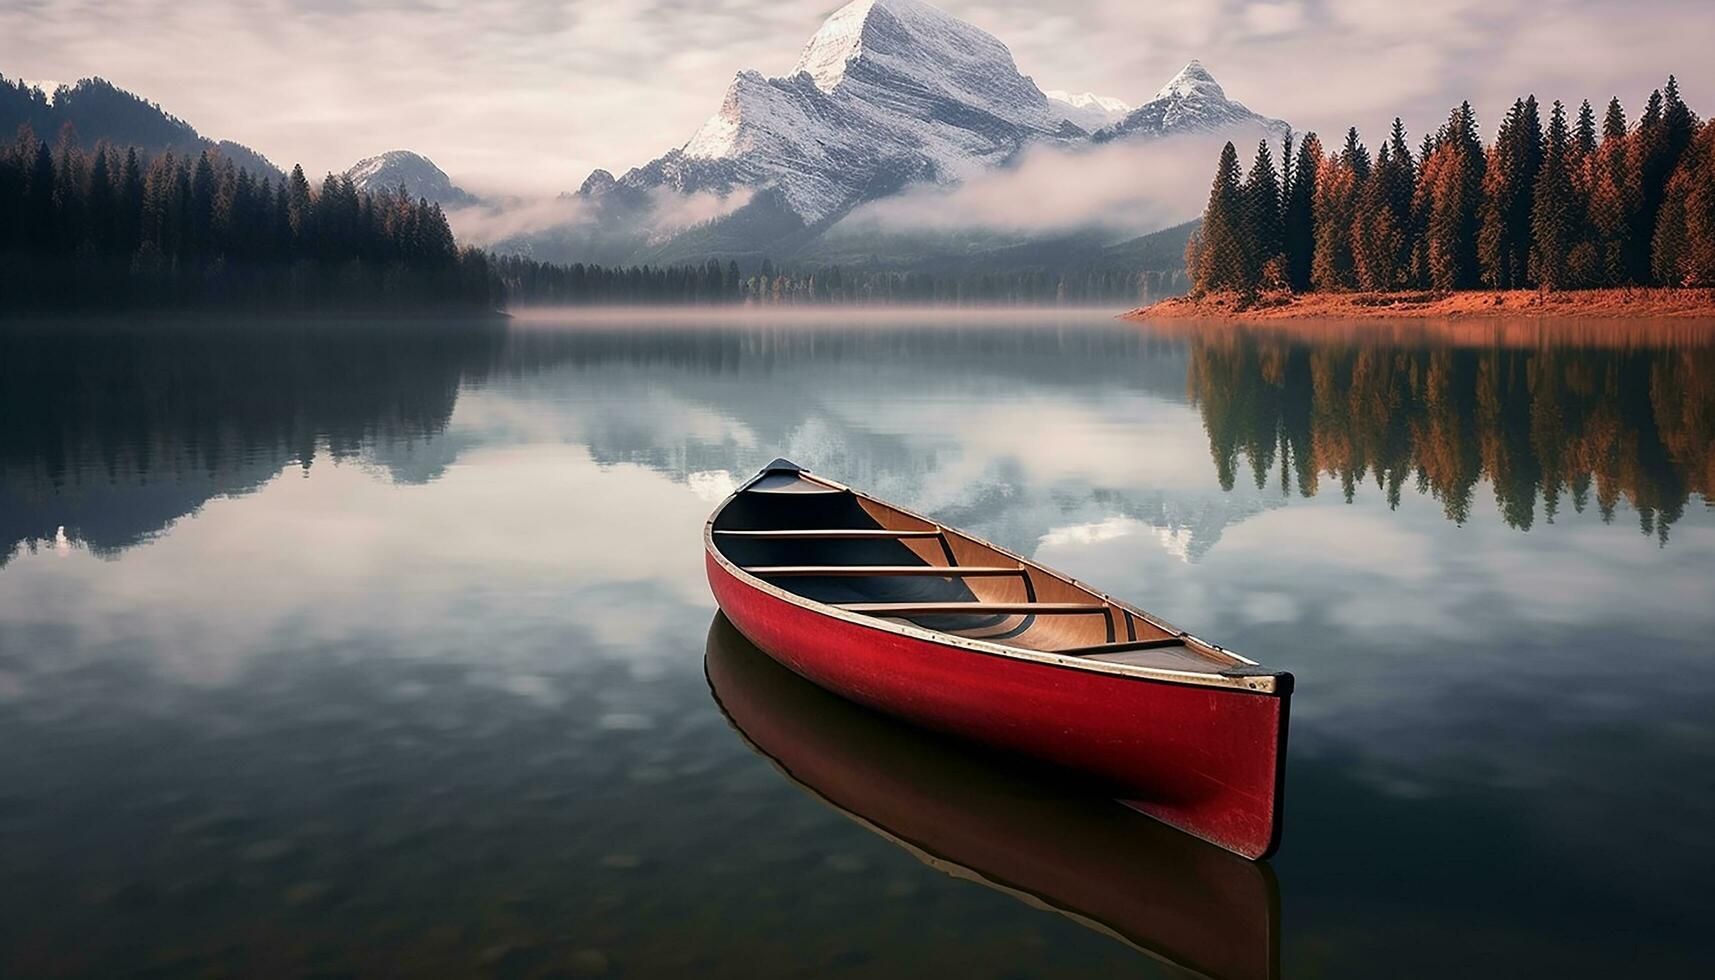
[[886, 94], [1191, 102], [418, 174], [1087, 110]]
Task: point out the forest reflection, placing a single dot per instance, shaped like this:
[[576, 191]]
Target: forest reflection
[[1602, 415], [114, 430]]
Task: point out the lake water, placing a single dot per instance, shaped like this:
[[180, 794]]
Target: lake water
[[378, 649]]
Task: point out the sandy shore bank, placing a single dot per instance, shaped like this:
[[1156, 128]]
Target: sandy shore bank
[[1604, 303]]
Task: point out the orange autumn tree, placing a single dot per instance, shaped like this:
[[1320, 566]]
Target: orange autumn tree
[[1572, 205]]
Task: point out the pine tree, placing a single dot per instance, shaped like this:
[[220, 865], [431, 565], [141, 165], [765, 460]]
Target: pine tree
[[1376, 235], [129, 227], [101, 206], [1554, 221], [1222, 261], [1333, 268], [1260, 223], [1515, 159], [1402, 184], [1584, 137], [38, 210], [300, 208], [1613, 199], [1683, 250], [1646, 166], [1298, 214], [1356, 156], [1453, 181]]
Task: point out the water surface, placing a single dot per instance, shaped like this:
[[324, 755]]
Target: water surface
[[371, 649]]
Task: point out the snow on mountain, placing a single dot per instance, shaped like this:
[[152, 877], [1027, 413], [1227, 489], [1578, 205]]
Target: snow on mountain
[[886, 94], [887, 91], [418, 174], [1088, 110], [1191, 102]]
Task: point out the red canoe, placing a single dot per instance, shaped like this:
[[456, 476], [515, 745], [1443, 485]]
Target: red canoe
[[1006, 824], [894, 611]]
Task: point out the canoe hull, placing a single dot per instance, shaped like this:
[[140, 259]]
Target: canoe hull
[[1013, 826], [1207, 760]]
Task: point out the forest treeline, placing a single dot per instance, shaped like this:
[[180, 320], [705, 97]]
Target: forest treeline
[[105, 228], [1545, 425], [529, 282], [1574, 204], [108, 228]]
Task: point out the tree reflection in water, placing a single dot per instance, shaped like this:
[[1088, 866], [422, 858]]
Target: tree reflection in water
[[1551, 416]]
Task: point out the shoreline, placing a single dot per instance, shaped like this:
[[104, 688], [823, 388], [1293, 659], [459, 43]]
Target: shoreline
[[1422, 304]]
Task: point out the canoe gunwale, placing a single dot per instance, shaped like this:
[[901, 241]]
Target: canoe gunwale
[[1246, 676]]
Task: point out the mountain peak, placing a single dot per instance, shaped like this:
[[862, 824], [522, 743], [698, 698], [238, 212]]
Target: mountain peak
[[842, 38], [413, 171], [1192, 81], [903, 37]]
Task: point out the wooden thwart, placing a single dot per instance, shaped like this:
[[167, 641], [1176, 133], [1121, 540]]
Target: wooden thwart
[[955, 608], [1124, 646], [832, 533], [858, 571]]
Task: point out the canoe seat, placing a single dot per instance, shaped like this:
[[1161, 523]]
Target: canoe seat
[[861, 571], [956, 608], [829, 532]]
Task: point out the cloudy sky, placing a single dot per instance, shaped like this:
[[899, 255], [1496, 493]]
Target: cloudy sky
[[530, 95]]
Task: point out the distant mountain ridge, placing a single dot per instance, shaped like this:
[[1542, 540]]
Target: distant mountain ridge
[[97, 110]]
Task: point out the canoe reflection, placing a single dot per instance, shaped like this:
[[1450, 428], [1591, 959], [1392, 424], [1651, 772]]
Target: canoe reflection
[[1008, 825]]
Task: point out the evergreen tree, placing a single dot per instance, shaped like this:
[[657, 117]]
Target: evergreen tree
[[1614, 200], [1356, 156], [1584, 137], [1402, 185], [1333, 267], [1376, 235], [1260, 223], [1298, 214], [1646, 166], [38, 210], [101, 206], [1554, 221], [1222, 260], [1452, 182], [1514, 161], [1683, 252], [299, 208], [129, 227]]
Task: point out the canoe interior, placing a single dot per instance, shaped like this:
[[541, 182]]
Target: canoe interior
[[1057, 615]]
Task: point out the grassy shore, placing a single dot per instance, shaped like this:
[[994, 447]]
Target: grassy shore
[[1414, 305]]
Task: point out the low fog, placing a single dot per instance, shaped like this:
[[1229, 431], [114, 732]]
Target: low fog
[[1124, 188], [665, 215], [1121, 189]]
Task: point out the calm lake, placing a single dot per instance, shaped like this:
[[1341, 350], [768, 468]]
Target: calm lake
[[357, 649]]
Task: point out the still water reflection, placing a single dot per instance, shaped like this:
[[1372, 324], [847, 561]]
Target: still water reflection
[[367, 649]]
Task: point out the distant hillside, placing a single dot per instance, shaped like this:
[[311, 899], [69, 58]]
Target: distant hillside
[[99, 110]]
